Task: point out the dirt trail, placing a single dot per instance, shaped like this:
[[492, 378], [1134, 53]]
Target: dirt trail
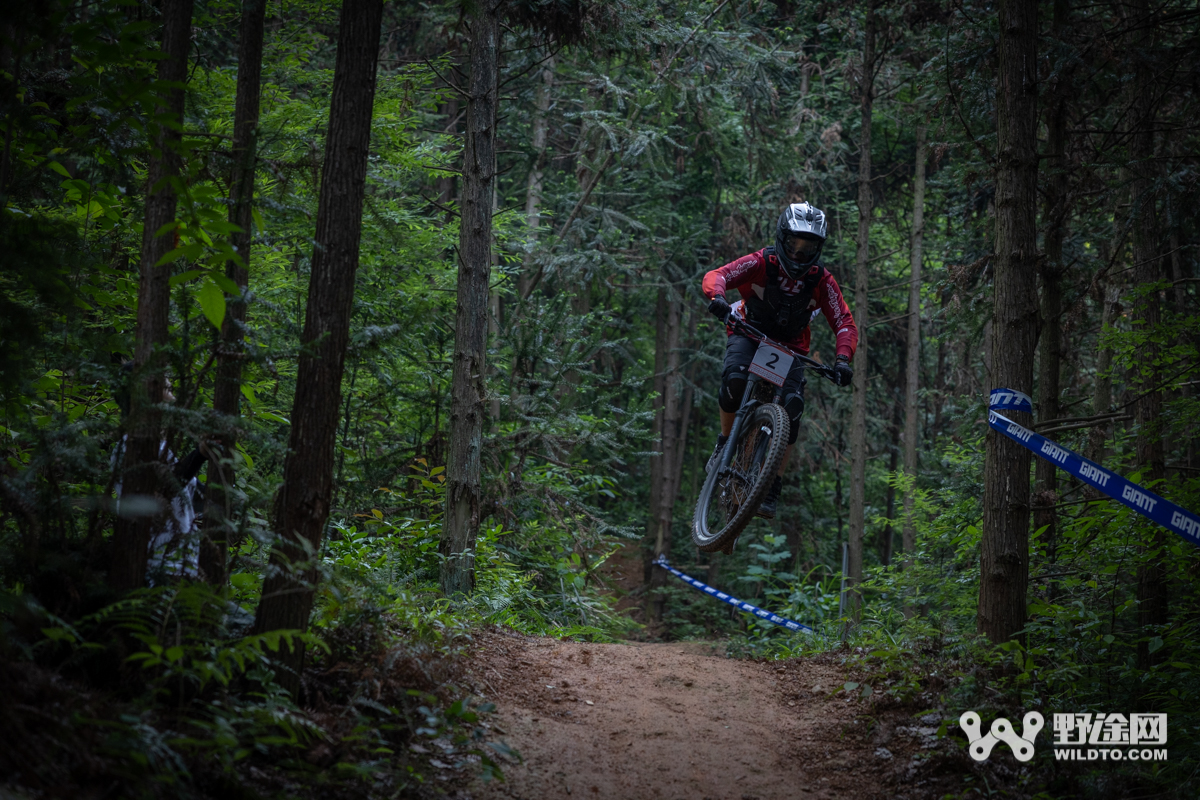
[[676, 721]]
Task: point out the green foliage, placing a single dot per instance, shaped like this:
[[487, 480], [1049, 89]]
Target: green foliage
[[192, 703], [540, 578], [1079, 651]]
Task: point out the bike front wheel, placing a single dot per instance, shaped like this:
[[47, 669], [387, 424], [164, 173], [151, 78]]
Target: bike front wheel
[[731, 496]]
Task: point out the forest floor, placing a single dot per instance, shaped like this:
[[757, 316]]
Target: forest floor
[[678, 720]]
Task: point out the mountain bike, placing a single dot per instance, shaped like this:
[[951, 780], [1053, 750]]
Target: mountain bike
[[750, 459]]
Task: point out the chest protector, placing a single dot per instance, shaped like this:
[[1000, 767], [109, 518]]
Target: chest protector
[[778, 314]]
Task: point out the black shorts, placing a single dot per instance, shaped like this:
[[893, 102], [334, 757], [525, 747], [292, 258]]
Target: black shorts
[[739, 352]]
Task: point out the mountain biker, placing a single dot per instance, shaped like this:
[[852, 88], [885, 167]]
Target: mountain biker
[[783, 287]]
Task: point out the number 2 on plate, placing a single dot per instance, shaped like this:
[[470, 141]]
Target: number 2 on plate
[[771, 363]]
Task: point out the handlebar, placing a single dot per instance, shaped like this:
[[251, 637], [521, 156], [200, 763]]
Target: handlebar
[[748, 330]]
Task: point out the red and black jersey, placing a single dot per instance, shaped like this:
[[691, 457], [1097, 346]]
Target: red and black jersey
[[782, 307]]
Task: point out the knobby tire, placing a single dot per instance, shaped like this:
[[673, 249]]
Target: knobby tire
[[749, 460]]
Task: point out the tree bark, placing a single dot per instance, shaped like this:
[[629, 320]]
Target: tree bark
[[144, 470], [468, 388], [913, 345], [858, 416], [302, 504], [227, 391], [1005, 548]]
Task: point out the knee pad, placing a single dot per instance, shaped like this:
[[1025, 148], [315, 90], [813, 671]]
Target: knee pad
[[793, 404], [733, 386], [731, 394]]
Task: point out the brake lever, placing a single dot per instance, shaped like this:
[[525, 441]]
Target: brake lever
[[741, 326]]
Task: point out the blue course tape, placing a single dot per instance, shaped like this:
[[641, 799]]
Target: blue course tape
[[741, 605], [1143, 501], [1003, 399]]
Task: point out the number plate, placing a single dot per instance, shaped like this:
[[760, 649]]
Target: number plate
[[771, 363]]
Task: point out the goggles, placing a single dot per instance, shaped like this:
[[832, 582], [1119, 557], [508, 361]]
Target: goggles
[[800, 248]]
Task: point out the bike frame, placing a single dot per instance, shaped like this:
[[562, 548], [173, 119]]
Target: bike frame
[[748, 404]]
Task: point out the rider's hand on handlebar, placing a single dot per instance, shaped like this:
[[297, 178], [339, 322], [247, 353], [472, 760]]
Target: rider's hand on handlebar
[[719, 307], [842, 371]]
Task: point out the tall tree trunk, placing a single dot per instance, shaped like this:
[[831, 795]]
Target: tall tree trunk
[[858, 416], [913, 344], [302, 504], [533, 213], [1004, 560], [1178, 297], [533, 189], [685, 421], [1110, 299], [144, 471], [1177, 274], [468, 392], [11, 64], [1145, 374], [939, 377], [664, 468], [887, 535], [678, 415], [1052, 268], [227, 391], [495, 307], [658, 384]]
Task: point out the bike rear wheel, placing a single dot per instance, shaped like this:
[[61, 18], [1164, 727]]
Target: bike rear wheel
[[730, 497]]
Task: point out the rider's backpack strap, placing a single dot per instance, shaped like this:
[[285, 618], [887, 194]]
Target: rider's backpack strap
[[813, 278], [772, 264]]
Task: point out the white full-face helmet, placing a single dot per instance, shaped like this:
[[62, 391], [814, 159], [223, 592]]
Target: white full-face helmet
[[798, 238]]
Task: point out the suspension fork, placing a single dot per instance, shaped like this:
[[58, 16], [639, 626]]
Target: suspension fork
[[744, 411]]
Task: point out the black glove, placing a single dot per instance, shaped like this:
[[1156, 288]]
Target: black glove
[[842, 372], [719, 307]]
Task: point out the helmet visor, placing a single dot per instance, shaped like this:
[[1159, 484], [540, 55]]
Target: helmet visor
[[801, 248]]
